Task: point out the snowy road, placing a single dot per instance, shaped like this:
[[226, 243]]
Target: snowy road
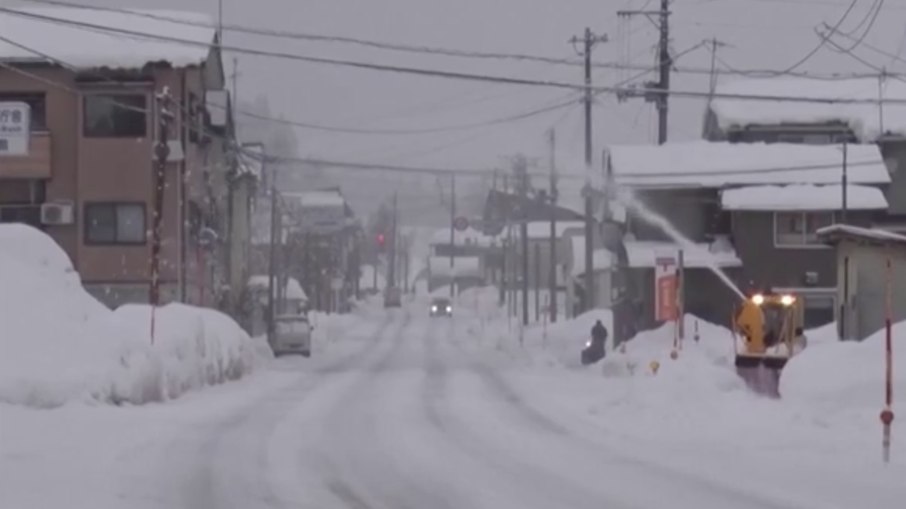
[[405, 418]]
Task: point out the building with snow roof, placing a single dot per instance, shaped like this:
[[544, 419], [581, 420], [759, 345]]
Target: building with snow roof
[[86, 178], [861, 259], [323, 246], [751, 209], [870, 122]]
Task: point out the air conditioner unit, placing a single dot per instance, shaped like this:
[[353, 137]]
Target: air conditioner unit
[[56, 213]]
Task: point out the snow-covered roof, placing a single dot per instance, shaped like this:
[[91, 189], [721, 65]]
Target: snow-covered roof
[[644, 253], [803, 197], [460, 238], [462, 266], [87, 48], [718, 164], [542, 229], [835, 232], [865, 119]]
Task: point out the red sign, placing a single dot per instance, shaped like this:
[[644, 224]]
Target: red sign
[[665, 289], [666, 298]]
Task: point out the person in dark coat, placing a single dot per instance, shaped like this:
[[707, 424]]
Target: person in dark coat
[[599, 332], [594, 350]]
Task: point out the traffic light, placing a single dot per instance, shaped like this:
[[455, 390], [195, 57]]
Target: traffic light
[[381, 240]]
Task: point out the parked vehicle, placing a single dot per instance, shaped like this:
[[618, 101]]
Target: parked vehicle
[[292, 334], [441, 306], [393, 298]]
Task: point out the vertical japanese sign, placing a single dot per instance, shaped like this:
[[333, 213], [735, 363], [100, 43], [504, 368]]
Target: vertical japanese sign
[[15, 127], [665, 289]]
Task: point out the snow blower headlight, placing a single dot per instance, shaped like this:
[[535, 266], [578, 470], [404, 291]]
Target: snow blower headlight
[[758, 299], [449, 309], [434, 309], [787, 300]]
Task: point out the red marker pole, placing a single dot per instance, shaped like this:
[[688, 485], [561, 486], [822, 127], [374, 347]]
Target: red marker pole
[[887, 412]]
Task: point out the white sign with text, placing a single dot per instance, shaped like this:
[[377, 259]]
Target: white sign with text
[[15, 126]]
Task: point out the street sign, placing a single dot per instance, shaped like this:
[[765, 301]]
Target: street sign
[[460, 223], [15, 128], [665, 288]]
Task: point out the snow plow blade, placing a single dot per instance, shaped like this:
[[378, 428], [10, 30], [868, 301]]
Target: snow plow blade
[[761, 373]]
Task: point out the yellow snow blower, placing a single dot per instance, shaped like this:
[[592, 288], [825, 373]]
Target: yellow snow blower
[[770, 326]]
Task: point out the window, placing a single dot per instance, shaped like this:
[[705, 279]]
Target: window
[[115, 116], [794, 229], [36, 104], [115, 223]]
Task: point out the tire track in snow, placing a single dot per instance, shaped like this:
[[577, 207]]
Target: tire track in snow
[[246, 427], [521, 411], [528, 480]]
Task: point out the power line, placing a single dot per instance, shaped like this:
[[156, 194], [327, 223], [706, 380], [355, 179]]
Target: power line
[[285, 34], [808, 56], [429, 130], [447, 74], [873, 15]]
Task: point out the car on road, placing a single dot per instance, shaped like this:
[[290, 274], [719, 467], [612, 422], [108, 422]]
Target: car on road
[[292, 335], [441, 306], [393, 298]]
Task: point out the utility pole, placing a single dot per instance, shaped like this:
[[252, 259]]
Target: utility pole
[[537, 282], [272, 262], [504, 249], [552, 276], [391, 263], [665, 63], [845, 182], [521, 171], [589, 41], [452, 235], [161, 153]]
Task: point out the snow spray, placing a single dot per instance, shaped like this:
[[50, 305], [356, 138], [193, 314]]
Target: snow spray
[[655, 219]]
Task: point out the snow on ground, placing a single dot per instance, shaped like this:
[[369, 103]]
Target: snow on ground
[[832, 392], [60, 345]]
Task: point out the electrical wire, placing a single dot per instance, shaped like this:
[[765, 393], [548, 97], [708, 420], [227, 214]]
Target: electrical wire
[[285, 34], [808, 56], [874, 18]]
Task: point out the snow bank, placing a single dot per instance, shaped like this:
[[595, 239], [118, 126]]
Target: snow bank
[[846, 375], [60, 345], [193, 347]]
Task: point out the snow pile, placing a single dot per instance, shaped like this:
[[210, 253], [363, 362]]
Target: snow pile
[[846, 376], [59, 344], [193, 347]]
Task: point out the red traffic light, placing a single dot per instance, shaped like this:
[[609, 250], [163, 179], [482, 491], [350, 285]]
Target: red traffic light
[[380, 239]]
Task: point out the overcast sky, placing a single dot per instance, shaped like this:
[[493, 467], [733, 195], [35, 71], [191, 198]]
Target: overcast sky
[[760, 34]]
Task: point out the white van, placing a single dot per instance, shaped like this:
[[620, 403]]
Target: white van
[[292, 334]]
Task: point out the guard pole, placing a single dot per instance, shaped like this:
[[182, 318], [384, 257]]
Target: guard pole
[[887, 411]]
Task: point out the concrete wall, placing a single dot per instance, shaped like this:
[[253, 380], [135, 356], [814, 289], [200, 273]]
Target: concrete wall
[[865, 312]]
